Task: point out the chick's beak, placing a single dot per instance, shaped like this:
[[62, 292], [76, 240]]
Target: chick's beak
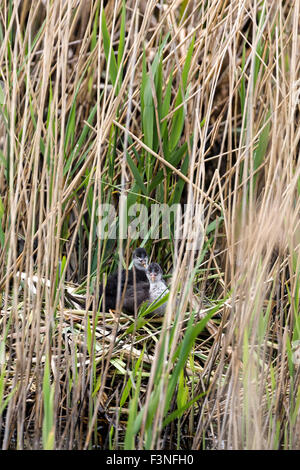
[[152, 277]]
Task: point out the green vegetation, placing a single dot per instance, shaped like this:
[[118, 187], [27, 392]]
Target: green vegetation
[[137, 104]]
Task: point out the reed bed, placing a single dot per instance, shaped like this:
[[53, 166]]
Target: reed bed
[[144, 104]]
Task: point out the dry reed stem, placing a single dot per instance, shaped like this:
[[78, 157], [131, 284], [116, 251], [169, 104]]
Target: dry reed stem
[[243, 366]]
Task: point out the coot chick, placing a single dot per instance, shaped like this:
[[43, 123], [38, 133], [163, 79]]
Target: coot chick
[[158, 287], [149, 291], [138, 272], [135, 296]]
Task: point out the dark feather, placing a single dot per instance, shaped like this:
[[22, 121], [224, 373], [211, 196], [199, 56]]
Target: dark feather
[[128, 280], [134, 297], [110, 291]]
